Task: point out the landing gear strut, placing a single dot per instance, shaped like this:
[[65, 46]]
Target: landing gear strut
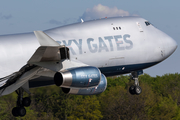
[[135, 89], [21, 103]]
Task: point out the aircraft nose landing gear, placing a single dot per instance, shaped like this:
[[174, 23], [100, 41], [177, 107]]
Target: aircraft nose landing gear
[[21, 103], [135, 89]]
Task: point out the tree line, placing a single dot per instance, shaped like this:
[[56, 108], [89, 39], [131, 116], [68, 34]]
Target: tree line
[[160, 99]]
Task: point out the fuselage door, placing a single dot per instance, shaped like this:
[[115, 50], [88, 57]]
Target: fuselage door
[[139, 26]]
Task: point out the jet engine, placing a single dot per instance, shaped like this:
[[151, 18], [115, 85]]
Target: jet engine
[[88, 91], [81, 77]]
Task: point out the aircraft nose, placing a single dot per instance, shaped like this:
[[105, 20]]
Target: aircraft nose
[[170, 45]]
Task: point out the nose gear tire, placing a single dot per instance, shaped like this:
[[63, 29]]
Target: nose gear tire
[[131, 90], [137, 90]]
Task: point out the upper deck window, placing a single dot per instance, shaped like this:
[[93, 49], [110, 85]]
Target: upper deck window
[[147, 23]]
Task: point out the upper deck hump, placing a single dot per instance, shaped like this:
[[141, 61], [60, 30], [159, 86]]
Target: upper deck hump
[[92, 23]]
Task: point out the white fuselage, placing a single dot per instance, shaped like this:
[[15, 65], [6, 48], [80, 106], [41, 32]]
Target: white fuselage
[[120, 43]]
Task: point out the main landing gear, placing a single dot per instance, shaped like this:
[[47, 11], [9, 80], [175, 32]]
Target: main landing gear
[[21, 103], [135, 89]]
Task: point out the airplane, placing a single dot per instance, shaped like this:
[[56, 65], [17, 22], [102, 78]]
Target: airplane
[[79, 57]]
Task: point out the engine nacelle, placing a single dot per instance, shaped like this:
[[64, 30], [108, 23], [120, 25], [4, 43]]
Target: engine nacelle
[[81, 77], [88, 91]]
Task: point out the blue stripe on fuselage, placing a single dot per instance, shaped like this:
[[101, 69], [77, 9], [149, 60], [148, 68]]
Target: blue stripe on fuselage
[[123, 69]]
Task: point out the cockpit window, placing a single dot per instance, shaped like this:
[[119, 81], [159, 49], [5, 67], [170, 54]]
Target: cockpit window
[[147, 23]]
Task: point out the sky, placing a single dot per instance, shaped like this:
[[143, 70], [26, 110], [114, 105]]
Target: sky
[[26, 16]]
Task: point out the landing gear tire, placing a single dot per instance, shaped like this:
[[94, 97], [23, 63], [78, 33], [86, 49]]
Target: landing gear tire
[[26, 101], [21, 111], [137, 90], [131, 90], [15, 112]]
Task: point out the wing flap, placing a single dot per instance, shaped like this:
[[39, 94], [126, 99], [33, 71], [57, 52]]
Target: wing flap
[[19, 82], [46, 53]]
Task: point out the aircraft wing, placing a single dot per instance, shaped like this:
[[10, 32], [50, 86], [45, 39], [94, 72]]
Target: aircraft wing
[[48, 59]]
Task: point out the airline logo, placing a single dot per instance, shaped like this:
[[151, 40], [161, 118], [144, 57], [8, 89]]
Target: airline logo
[[123, 42]]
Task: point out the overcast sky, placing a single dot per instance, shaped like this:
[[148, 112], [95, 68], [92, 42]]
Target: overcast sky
[[18, 16]]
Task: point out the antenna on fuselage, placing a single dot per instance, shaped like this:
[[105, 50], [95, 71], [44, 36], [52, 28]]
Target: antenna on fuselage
[[82, 20]]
